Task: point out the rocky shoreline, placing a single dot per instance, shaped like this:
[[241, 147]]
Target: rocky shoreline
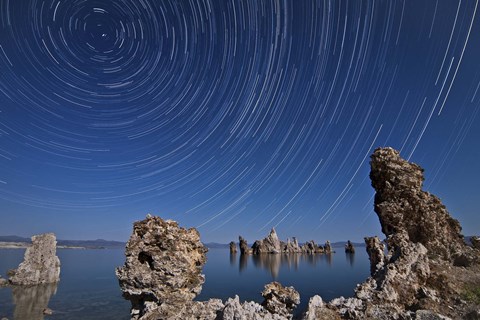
[[424, 274]]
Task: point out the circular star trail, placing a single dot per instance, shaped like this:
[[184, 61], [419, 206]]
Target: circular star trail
[[231, 116]]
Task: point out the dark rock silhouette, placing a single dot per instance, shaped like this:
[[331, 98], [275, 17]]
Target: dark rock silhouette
[[244, 249], [233, 247], [349, 248], [40, 265]]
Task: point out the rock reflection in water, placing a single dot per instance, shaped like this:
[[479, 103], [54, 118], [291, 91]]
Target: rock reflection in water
[[31, 301], [350, 258], [274, 262]]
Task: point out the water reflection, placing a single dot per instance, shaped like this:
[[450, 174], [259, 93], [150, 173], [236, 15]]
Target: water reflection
[[31, 301], [275, 262], [350, 258]]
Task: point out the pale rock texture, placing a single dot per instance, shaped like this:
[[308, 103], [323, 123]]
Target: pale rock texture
[[427, 265], [40, 264], [375, 251], [271, 244], [280, 300], [402, 205], [163, 266]]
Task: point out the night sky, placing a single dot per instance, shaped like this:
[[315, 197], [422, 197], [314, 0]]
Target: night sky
[[232, 116]]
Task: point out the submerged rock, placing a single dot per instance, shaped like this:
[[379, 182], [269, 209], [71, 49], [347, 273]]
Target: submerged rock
[[233, 247], [163, 266], [40, 264]]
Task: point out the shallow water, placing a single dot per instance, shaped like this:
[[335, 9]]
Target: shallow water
[[88, 288]]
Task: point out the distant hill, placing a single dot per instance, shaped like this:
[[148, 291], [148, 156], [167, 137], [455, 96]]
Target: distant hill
[[90, 244]]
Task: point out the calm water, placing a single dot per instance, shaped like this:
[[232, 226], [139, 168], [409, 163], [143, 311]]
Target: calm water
[[88, 288]]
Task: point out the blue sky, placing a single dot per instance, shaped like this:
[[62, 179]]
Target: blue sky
[[231, 116]]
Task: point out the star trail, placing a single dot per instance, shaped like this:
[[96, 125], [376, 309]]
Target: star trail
[[231, 116]]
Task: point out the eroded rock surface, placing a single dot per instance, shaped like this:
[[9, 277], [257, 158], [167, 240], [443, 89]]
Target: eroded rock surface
[[427, 265], [244, 249], [402, 205], [280, 300], [163, 266], [271, 244], [40, 264]]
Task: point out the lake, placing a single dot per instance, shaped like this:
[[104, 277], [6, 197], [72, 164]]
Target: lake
[[88, 288]]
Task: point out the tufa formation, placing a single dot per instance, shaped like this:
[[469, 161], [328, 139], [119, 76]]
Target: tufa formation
[[427, 268], [163, 266], [40, 264]]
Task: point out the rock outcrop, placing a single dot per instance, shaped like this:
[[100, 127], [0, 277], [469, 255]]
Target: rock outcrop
[[327, 247], [376, 254], [475, 242], [162, 276], [40, 265], [233, 247], [244, 249], [292, 246], [427, 265], [402, 205], [271, 244], [163, 267], [349, 248], [280, 300]]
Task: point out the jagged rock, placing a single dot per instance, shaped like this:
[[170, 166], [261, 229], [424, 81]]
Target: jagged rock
[[233, 247], [475, 242], [280, 300], [425, 248], [234, 310], [244, 249], [375, 250], [271, 244], [327, 248], [40, 264], [349, 248], [292, 246], [311, 247], [402, 205], [163, 266]]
